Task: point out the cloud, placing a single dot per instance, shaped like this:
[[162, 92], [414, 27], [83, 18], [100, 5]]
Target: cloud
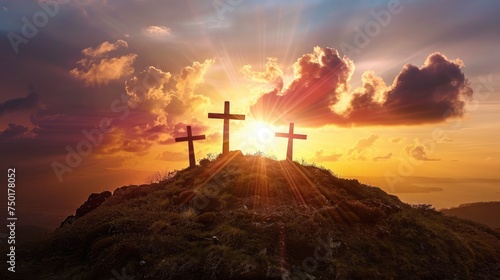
[[51, 134], [162, 105], [13, 131], [319, 78], [158, 30], [444, 139], [166, 95], [418, 152], [320, 156], [272, 74], [97, 68], [430, 94], [20, 103], [433, 93], [357, 152], [104, 48], [191, 76], [123, 142], [148, 89], [396, 140], [179, 129], [386, 157]]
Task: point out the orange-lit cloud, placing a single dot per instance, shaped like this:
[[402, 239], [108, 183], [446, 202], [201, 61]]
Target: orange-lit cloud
[[396, 140], [148, 89], [166, 95], [161, 106], [272, 74], [444, 139], [386, 157], [320, 156], [358, 151], [104, 48], [97, 68], [418, 152], [123, 142], [430, 94], [319, 78]]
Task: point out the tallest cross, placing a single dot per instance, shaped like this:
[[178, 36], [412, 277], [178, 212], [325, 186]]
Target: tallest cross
[[226, 116]]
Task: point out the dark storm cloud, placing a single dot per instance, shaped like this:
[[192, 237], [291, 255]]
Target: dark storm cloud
[[51, 134], [13, 131], [20, 103], [430, 94]]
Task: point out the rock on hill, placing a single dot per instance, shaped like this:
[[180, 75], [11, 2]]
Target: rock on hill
[[272, 220], [487, 213]]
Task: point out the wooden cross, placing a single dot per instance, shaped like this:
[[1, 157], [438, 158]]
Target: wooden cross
[[290, 136], [190, 138], [226, 116]]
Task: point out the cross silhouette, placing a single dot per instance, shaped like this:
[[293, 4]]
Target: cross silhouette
[[190, 138], [290, 136], [226, 116]]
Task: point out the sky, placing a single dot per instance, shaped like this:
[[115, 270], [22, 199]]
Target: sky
[[403, 95]]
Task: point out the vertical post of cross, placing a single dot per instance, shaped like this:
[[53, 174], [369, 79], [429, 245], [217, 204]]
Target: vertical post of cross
[[225, 137], [289, 149]]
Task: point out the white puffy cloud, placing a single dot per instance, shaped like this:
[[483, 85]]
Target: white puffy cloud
[[99, 68], [158, 30], [166, 95]]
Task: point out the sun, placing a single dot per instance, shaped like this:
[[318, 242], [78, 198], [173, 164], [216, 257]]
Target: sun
[[263, 132], [257, 136]]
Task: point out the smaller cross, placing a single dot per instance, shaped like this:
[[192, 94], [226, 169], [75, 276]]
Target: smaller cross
[[190, 138], [290, 136]]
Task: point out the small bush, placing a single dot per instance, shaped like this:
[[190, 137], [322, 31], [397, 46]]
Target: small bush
[[204, 162], [160, 176]]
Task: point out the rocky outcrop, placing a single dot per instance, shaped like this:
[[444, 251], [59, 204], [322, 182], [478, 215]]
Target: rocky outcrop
[[94, 201]]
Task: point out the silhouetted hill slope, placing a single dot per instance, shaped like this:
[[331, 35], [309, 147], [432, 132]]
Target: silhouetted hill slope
[[274, 220], [487, 213]]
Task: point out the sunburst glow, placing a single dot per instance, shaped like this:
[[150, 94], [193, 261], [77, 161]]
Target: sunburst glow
[[256, 136]]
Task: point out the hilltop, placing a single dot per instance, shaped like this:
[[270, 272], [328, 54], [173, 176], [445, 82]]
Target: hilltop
[[272, 220], [481, 212]]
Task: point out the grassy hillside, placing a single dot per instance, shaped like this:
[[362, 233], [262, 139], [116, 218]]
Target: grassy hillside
[[274, 220], [487, 213]]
